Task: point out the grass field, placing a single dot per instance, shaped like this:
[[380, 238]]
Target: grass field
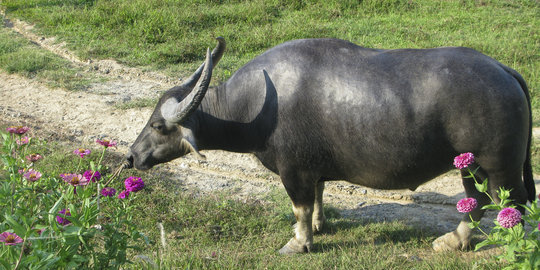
[[171, 36]]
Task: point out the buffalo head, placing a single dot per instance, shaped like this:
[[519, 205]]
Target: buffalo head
[[167, 135]]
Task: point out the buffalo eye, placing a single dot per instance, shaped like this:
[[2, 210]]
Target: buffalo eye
[[158, 126]]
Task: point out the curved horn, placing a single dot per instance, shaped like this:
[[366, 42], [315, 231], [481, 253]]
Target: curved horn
[[181, 112], [217, 53]]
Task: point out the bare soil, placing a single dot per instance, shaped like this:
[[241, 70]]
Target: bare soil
[[83, 116]]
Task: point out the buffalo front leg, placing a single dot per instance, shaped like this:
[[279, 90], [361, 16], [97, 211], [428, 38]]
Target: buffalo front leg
[[301, 190]]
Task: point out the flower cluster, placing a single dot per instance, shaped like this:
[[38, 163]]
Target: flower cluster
[[509, 217], [32, 175], [10, 239], [466, 205], [62, 220], [17, 129], [464, 160], [520, 244], [34, 157], [74, 179], [23, 141], [108, 192], [133, 184], [106, 143], [93, 176], [81, 152]]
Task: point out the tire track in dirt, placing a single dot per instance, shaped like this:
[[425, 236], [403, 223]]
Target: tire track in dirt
[[84, 116]]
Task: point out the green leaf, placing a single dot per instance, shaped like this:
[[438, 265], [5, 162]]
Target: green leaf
[[491, 206], [17, 228], [4, 263], [482, 244], [481, 187], [54, 210]]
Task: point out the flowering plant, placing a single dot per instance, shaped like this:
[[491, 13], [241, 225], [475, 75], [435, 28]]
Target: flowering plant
[[60, 221], [522, 247]]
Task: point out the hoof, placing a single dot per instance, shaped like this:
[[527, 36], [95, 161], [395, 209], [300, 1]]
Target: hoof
[[318, 225], [450, 242], [293, 247]]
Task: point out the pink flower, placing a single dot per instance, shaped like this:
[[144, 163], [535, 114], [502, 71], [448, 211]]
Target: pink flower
[[92, 176], [32, 175], [61, 219], [74, 179], [124, 194], [81, 152], [10, 239], [24, 140], [466, 205], [106, 143], [108, 192], [17, 129], [33, 157], [509, 217], [464, 160], [133, 184]]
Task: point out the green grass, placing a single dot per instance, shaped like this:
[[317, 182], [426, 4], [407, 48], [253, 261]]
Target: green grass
[[18, 55], [172, 35]]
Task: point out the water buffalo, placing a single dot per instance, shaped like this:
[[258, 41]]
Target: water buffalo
[[316, 110]]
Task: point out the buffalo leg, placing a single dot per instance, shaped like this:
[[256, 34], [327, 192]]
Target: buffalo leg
[[460, 238], [318, 213], [301, 189], [510, 180]]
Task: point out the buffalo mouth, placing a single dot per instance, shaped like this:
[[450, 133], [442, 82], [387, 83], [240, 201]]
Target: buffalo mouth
[[128, 163]]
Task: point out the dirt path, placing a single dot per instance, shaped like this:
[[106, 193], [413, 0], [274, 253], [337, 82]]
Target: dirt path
[[86, 115]]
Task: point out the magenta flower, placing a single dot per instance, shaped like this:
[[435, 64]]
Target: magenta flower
[[17, 129], [106, 143], [24, 140], [509, 217], [82, 152], [22, 171], [464, 160], [74, 179], [32, 175], [466, 205], [92, 176], [33, 157], [124, 194], [10, 239], [133, 184], [61, 219], [108, 192]]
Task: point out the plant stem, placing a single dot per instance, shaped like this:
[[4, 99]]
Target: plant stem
[[20, 255]]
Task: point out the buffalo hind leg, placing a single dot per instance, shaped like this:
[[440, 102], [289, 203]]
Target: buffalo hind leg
[[301, 189], [510, 180], [318, 214], [460, 238]]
